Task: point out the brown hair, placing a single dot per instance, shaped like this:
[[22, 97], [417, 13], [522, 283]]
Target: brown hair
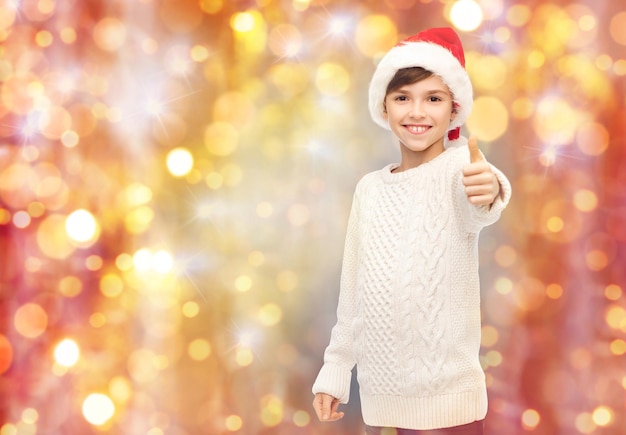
[[407, 76]]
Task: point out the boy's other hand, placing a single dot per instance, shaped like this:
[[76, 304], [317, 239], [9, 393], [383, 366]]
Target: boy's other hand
[[326, 407], [481, 184]]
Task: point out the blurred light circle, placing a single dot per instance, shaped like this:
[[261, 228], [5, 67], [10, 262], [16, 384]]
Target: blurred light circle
[[285, 40], [491, 9], [111, 285], [466, 15], [584, 423], [30, 320], [243, 283], [221, 138], [162, 261], [81, 226], [139, 220], [301, 418], [617, 28], [518, 15], [233, 423], [586, 29], [242, 22], [560, 221], [488, 72], [190, 309], [592, 138], [7, 16], [489, 335], [601, 249], [529, 294], [375, 35], [199, 349], [94, 262], [211, 6], [585, 200], [120, 389], [489, 118], [70, 286], [270, 314], [522, 108], [137, 194], [290, 79], [67, 352], [52, 238], [530, 419], [16, 93], [15, 177], [244, 356], [250, 32], [98, 409], [505, 256], [109, 34], [179, 162], [142, 260], [21, 219], [555, 121], [272, 410], [70, 138]]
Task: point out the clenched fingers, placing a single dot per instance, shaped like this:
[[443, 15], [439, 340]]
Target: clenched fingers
[[326, 407], [481, 184]]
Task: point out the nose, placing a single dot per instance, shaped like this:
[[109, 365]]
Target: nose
[[416, 110]]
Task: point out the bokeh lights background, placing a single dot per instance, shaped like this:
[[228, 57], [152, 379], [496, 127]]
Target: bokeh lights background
[[175, 181]]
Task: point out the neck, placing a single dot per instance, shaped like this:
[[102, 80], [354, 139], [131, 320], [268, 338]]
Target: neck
[[412, 159]]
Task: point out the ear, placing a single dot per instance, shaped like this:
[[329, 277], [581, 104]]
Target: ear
[[454, 110]]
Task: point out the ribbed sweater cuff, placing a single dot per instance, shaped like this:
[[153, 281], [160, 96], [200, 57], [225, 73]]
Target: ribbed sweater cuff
[[423, 413], [334, 380]]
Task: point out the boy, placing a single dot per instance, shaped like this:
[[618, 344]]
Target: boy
[[409, 306]]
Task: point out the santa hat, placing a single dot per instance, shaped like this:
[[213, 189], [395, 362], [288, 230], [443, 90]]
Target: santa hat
[[438, 50]]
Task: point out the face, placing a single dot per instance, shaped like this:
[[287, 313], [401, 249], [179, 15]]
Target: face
[[419, 115]]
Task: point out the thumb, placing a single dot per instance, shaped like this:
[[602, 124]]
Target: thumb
[[475, 154]]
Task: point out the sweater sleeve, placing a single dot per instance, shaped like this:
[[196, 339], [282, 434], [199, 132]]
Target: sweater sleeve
[[335, 375]]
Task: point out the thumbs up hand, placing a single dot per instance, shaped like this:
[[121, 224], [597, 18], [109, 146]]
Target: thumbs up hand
[[481, 185]]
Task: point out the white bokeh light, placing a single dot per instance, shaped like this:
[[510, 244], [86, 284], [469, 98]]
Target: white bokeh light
[[67, 353], [466, 15], [81, 226], [98, 409]]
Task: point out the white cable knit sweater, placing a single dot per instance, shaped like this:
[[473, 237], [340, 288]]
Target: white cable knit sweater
[[409, 305]]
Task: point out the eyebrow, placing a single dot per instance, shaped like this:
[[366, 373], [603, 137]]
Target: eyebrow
[[428, 92], [437, 91]]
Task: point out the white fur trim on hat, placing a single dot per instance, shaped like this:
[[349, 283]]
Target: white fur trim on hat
[[432, 57]]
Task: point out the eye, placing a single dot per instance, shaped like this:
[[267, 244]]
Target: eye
[[401, 98], [434, 99]]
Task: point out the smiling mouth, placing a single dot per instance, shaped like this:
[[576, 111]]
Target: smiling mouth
[[417, 129]]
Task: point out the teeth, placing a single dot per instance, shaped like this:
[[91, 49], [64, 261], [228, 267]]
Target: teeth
[[417, 129]]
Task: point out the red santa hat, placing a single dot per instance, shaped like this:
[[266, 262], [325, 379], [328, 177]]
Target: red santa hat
[[438, 50]]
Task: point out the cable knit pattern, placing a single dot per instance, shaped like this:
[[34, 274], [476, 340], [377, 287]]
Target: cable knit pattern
[[409, 305]]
